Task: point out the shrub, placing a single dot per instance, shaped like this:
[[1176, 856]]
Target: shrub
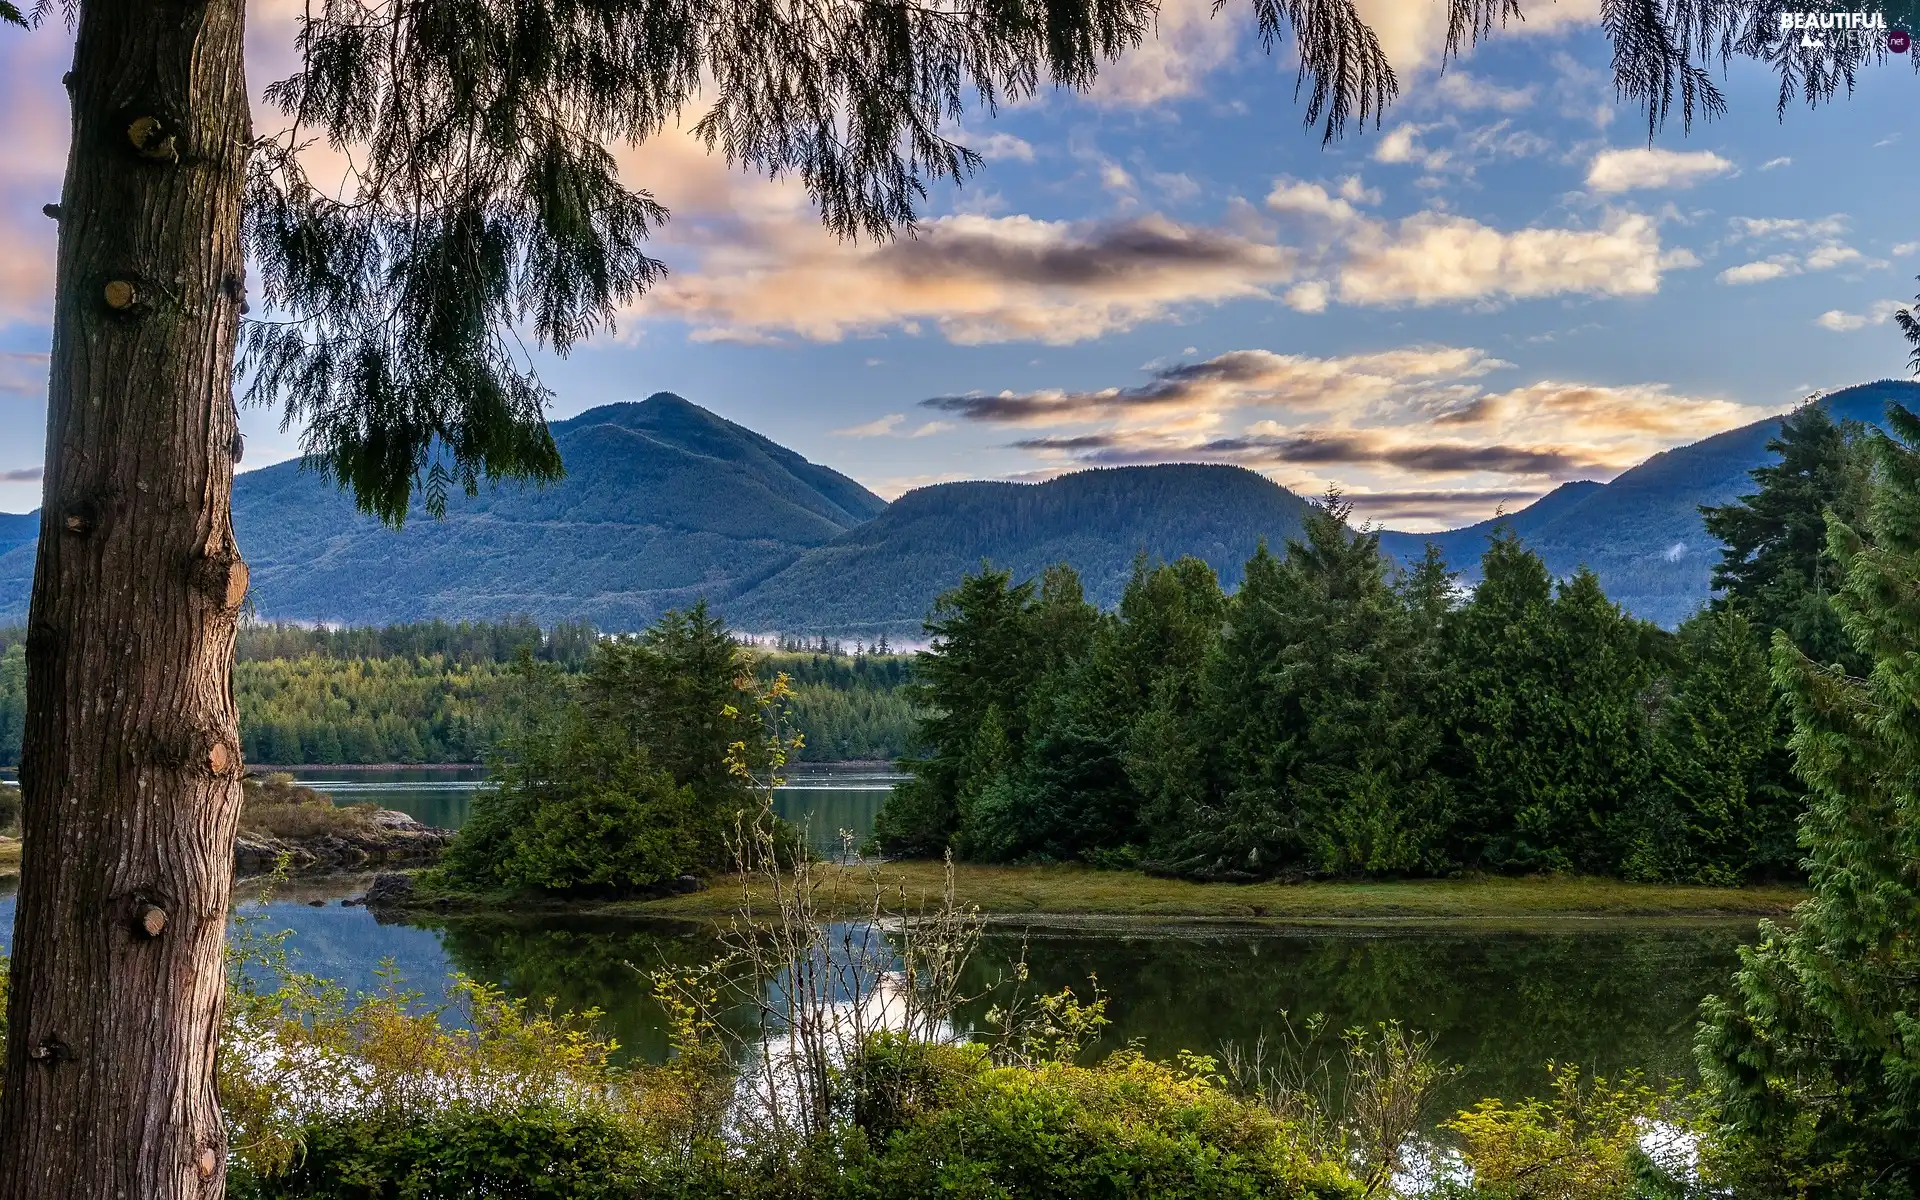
[[1128, 1127], [534, 1153], [1590, 1140], [582, 808], [9, 807], [276, 806]]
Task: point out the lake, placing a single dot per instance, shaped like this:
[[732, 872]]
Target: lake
[[1607, 995]]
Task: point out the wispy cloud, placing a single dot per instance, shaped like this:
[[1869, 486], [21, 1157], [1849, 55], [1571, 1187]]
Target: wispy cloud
[[1841, 321]]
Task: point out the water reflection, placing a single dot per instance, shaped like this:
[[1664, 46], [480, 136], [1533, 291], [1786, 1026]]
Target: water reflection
[[823, 798], [1503, 1004]]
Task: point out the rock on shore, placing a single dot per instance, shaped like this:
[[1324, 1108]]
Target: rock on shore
[[387, 838]]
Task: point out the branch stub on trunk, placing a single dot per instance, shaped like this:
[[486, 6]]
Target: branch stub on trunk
[[121, 295], [152, 921]]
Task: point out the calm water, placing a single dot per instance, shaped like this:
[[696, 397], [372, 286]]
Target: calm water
[[1606, 995], [825, 799]]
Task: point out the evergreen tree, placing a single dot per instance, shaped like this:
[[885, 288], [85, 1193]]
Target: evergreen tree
[[1815, 1056], [683, 692], [1716, 812], [984, 656], [1773, 569], [1549, 721], [1325, 750]]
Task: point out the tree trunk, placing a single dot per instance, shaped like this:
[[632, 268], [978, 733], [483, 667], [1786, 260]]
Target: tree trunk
[[131, 762]]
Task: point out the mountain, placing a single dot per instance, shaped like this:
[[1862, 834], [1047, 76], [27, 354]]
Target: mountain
[[665, 502], [1642, 532], [662, 502], [884, 575]]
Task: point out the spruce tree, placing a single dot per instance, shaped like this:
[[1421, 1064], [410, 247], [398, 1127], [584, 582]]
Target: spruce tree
[[1773, 569], [984, 658], [1815, 1054], [1715, 811]]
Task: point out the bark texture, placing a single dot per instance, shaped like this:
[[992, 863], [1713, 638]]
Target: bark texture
[[131, 764]]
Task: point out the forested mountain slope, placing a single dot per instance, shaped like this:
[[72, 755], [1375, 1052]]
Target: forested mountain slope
[[662, 502], [1641, 533], [883, 576]]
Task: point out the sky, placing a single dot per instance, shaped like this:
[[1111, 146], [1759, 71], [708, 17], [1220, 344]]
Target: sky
[[1503, 287]]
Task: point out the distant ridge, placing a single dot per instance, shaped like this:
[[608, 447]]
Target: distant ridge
[[884, 575], [1641, 533], [665, 503]]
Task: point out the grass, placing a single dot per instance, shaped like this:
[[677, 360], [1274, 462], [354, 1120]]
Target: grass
[[9, 857], [1083, 895]]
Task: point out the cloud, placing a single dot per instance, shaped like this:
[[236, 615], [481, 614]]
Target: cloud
[[879, 427], [1188, 42], [1827, 252], [1458, 89], [1757, 272], [1840, 321], [1414, 32], [1783, 161], [1905, 248], [1652, 167], [1432, 258], [977, 278], [23, 373], [1000, 145], [22, 475], [1308, 297], [1401, 145], [1236, 379], [1417, 426]]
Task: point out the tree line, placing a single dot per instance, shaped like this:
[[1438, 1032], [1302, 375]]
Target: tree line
[[440, 692], [1339, 714]]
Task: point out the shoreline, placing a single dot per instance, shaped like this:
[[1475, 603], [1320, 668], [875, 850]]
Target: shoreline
[[1079, 897]]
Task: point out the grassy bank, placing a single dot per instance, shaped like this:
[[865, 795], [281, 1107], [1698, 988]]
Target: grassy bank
[[9, 857], [1072, 893]]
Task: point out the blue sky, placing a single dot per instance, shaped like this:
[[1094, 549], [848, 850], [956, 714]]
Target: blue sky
[[1502, 288]]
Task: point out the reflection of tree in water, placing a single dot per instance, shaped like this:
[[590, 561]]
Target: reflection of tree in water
[[584, 963], [1502, 1004]]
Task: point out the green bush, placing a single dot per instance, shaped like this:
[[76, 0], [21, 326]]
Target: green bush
[[581, 809], [1129, 1127], [538, 1153]]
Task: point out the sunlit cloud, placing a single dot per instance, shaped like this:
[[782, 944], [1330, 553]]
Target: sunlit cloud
[[1653, 167], [1841, 321], [1418, 422]]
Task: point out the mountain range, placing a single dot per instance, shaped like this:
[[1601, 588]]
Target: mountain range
[[664, 502]]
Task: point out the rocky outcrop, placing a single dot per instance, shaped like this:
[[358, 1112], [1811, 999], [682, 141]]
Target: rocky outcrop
[[383, 839]]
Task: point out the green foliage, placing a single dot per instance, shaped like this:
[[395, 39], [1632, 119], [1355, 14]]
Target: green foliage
[[1335, 717], [13, 699], [1590, 1139], [1546, 695], [629, 775], [1718, 811], [1125, 1127], [1316, 725], [1773, 567], [1815, 1055], [535, 1153]]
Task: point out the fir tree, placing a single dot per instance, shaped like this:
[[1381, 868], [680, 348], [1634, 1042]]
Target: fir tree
[[984, 657], [1815, 1055], [1716, 812], [1773, 569]]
